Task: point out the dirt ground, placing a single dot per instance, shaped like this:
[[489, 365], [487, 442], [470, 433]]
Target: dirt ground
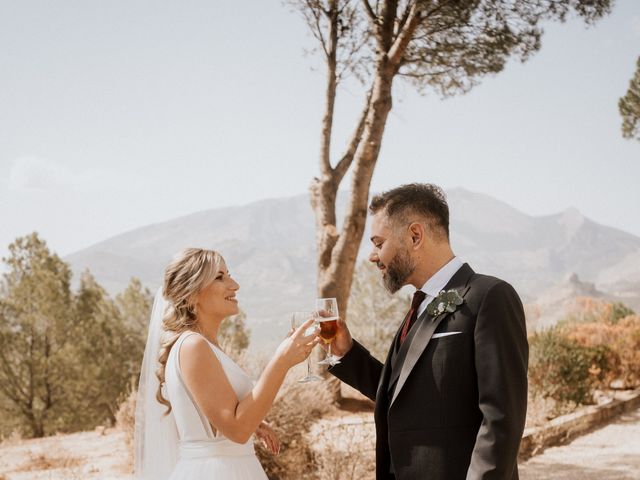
[[611, 453], [84, 455]]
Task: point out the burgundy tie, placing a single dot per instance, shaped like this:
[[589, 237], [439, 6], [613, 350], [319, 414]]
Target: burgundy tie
[[412, 314]]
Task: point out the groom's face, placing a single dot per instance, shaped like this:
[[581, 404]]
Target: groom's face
[[390, 254]]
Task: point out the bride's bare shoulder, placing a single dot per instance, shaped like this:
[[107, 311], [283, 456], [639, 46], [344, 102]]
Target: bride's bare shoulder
[[195, 349], [194, 342]]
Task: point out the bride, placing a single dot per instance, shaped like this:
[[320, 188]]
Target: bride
[[197, 410]]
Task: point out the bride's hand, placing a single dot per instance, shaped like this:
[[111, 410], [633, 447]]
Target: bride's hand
[[297, 346], [268, 438]]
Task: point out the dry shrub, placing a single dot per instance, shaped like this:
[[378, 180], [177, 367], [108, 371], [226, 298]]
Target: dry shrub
[[540, 409], [621, 338], [588, 309], [126, 422], [50, 460], [564, 370], [597, 343], [126, 416], [13, 438], [370, 300], [350, 465], [347, 452], [296, 408]]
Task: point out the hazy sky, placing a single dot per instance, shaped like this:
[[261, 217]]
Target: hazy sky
[[116, 114]]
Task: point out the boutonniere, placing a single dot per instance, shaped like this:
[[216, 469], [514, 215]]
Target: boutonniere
[[448, 301]]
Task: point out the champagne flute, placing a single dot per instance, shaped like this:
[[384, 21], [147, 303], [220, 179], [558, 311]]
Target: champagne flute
[[297, 319], [327, 317]]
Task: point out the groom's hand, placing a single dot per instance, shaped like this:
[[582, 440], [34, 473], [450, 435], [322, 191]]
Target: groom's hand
[[342, 342]]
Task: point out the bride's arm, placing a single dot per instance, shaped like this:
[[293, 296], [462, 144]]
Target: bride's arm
[[211, 390]]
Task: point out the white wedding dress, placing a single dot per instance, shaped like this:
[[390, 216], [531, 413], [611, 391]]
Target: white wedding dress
[[203, 455]]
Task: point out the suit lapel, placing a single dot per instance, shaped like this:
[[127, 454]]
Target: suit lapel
[[398, 360], [413, 347]]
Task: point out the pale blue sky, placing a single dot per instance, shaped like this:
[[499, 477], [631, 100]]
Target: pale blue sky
[[115, 114]]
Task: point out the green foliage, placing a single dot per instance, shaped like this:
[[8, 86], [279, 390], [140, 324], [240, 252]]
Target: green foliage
[[134, 304], [562, 369], [629, 107], [452, 44], [619, 311], [65, 358], [374, 314], [107, 352], [35, 301], [234, 334]]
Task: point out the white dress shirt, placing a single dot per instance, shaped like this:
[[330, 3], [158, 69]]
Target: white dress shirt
[[438, 281]]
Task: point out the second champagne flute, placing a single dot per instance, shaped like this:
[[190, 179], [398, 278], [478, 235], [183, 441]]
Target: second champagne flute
[[297, 319]]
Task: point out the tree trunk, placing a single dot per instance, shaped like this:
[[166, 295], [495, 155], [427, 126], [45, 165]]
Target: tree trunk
[[337, 252]]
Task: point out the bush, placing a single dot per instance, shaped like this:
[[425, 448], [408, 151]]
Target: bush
[[293, 413], [126, 421], [564, 370], [126, 416], [346, 450], [619, 311], [621, 338], [234, 335], [589, 310]]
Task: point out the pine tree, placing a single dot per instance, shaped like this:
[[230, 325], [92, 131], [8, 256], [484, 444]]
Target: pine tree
[[629, 107], [35, 301]]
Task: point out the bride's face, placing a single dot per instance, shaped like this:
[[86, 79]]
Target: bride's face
[[218, 299]]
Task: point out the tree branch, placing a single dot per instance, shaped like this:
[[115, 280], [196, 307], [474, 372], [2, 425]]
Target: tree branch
[[370, 13], [12, 379], [316, 27], [404, 37], [422, 75], [330, 95], [11, 376], [403, 20], [347, 158]]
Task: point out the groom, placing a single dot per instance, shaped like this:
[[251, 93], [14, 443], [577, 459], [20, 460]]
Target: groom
[[451, 397]]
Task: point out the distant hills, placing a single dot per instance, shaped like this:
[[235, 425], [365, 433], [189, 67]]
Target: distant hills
[[566, 299], [270, 249]]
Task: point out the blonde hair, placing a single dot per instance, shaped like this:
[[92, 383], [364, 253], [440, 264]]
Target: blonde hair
[[189, 272]]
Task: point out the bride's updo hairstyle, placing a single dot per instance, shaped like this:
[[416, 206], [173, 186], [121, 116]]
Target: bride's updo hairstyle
[[189, 272]]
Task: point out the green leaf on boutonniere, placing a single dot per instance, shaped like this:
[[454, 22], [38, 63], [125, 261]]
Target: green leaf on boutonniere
[[446, 301]]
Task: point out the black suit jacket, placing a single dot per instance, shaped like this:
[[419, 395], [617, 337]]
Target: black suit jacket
[[452, 407]]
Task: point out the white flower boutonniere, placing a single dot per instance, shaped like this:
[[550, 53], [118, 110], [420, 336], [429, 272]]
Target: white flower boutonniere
[[448, 301]]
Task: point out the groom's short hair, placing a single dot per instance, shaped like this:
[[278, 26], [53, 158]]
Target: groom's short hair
[[427, 200]]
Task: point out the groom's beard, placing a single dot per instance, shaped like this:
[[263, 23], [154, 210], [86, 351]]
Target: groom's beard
[[398, 270]]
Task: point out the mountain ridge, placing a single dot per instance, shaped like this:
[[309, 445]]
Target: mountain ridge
[[269, 246]]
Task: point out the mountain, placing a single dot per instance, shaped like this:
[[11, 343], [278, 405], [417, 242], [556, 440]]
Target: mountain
[[534, 253], [270, 249], [562, 300]]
